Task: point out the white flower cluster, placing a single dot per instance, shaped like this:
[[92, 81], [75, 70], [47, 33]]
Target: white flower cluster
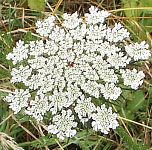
[[63, 125], [79, 59], [18, 100], [20, 52], [45, 26], [132, 78], [138, 51], [104, 119], [84, 109]]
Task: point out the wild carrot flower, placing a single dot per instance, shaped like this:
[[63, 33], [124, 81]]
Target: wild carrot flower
[[79, 62]]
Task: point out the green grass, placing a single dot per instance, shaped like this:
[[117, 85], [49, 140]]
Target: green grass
[[134, 107]]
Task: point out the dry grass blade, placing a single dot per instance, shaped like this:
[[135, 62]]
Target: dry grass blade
[[6, 119], [57, 6], [96, 146], [26, 130], [8, 142], [133, 8], [6, 91], [53, 11], [137, 123], [41, 134], [124, 124], [59, 144]]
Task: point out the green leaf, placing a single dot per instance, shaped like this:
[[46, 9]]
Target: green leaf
[[87, 144], [2, 95], [146, 22], [83, 145], [129, 142], [150, 91], [146, 13], [42, 142], [147, 3], [38, 5], [29, 37], [127, 113], [136, 102], [132, 4], [107, 146], [4, 73]]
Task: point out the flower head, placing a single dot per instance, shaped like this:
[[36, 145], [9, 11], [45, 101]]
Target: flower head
[[138, 51], [78, 62], [110, 91], [71, 21], [20, 52], [63, 125], [104, 119], [38, 107], [84, 108], [95, 16], [21, 74], [18, 100], [44, 27], [132, 78]]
